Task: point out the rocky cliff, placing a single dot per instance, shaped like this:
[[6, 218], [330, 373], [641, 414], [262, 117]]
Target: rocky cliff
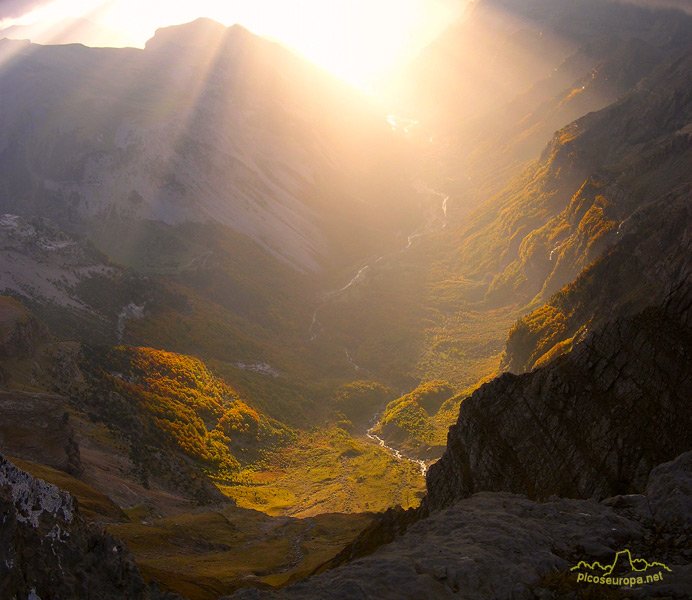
[[590, 424], [20, 331], [36, 427], [599, 226], [594, 175], [501, 545], [47, 551]]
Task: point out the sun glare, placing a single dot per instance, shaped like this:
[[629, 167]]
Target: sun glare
[[359, 40]]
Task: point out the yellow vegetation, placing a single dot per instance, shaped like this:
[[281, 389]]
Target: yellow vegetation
[[189, 408]]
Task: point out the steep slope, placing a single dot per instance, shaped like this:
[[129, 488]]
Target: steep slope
[[500, 48], [495, 146], [232, 179], [171, 407], [442, 308], [630, 216], [598, 168], [66, 281], [157, 442], [211, 125], [234, 304], [499, 545], [492, 90], [49, 551], [36, 427], [588, 424], [20, 331]]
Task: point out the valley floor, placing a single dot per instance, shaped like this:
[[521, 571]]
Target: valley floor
[[327, 471]]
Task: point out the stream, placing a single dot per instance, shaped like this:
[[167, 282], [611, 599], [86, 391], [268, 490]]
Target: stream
[[391, 450], [436, 221]]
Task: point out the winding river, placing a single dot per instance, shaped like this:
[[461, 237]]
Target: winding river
[[393, 451], [436, 221]]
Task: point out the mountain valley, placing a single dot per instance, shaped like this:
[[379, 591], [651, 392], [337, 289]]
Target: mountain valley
[[259, 338]]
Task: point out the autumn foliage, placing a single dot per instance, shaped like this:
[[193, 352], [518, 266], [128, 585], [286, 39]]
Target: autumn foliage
[[188, 408]]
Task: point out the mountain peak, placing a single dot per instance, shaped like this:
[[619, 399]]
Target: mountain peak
[[200, 33]]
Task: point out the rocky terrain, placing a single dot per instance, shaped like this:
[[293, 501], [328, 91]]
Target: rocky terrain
[[214, 372], [36, 427], [66, 282], [589, 424], [623, 236], [215, 125], [47, 550], [554, 176], [502, 545], [588, 427], [488, 544], [43, 263]]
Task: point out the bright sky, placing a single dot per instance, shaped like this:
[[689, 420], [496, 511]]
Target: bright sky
[[359, 40]]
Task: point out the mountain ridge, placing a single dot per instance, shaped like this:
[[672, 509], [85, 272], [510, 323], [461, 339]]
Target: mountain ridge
[[193, 375], [236, 133]]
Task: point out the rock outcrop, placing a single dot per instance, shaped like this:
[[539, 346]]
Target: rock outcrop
[[590, 424], [36, 427], [20, 331], [501, 545], [77, 291], [44, 264], [47, 550]]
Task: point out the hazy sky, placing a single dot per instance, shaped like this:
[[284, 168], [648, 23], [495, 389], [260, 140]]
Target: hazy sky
[[357, 39]]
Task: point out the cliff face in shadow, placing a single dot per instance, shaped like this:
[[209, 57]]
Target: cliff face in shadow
[[47, 550], [590, 424], [501, 545], [36, 427]]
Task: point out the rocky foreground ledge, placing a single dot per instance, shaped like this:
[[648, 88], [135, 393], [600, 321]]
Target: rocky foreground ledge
[[490, 545], [48, 551], [505, 546]]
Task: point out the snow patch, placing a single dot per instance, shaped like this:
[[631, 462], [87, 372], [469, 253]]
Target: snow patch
[[131, 311], [263, 368]]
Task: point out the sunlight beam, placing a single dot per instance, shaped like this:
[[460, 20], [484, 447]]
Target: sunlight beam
[[358, 40]]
